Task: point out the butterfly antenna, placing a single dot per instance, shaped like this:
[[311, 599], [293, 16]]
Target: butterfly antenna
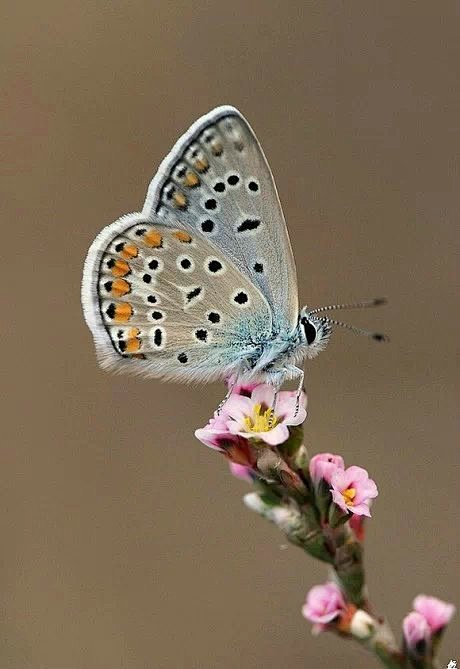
[[365, 304], [377, 336]]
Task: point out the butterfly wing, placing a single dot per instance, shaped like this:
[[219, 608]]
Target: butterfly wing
[[163, 302], [216, 183]]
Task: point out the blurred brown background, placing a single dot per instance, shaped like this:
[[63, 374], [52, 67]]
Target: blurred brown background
[[124, 541]]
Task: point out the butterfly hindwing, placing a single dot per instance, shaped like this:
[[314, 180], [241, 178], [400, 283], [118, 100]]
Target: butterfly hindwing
[[216, 182], [164, 302]]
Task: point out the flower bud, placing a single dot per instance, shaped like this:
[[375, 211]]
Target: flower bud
[[362, 625], [286, 518], [255, 502], [324, 603], [323, 465], [436, 612], [416, 633], [301, 458]]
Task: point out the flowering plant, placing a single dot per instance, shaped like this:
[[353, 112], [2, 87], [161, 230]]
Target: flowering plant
[[321, 506]]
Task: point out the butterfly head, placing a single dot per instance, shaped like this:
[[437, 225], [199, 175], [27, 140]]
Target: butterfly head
[[315, 328], [314, 333]]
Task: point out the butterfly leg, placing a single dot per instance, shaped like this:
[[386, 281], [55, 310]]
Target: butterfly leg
[[273, 408], [299, 390], [296, 371], [229, 392]]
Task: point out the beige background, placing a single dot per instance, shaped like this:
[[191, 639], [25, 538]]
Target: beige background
[[124, 542]]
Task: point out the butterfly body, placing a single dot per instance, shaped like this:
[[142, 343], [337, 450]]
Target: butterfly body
[[201, 285]]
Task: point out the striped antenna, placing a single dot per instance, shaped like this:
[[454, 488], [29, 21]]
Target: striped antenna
[[365, 304], [377, 336]]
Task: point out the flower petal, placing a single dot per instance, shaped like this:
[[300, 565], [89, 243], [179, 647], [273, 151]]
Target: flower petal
[[238, 406], [436, 612], [357, 473], [278, 435], [340, 479], [263, 394], [365, 490], [360, 510], [209, 438], [338, 499], [285, 403], [297, 419]]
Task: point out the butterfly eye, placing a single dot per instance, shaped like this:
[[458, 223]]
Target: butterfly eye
[[310, 331]]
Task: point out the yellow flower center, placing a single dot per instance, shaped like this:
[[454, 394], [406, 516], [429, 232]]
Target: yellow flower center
[[262, 420], [348, 495]]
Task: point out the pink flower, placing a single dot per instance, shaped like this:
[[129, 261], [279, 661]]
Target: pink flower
[[215, 432], [352, 489], [436, 612], [323, 465], [217, 436], [257, 417], [242, 472], [323, 604], [415, 629]]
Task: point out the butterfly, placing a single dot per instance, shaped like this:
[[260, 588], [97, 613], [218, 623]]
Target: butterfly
[[201, 284]]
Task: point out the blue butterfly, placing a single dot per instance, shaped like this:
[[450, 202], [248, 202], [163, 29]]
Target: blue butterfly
[[201, 285]]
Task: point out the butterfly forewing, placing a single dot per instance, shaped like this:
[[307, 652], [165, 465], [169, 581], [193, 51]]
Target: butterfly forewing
[[198, 285], [171, 304], [216, 182]]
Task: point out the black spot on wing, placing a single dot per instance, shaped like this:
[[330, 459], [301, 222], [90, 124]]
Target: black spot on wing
[[207, 226], [214, 317], [248, 224], [193, 293], [241, 297], [201, 335]]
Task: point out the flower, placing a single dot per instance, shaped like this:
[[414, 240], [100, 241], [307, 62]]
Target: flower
[[242, 472], [436, 612], [215, 433], [217, 436], [323, 465], [323, 604], [261, 417], [430, 616], [352, 489], [416, 630]]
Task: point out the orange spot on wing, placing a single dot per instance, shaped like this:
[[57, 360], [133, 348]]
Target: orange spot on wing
[[179, 200], [123, 312], [201, 164], [153, 239], [182, 236], [191, 180], [133, 345], [129, 251], [217, 148], [120, 287], [120, 268]]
